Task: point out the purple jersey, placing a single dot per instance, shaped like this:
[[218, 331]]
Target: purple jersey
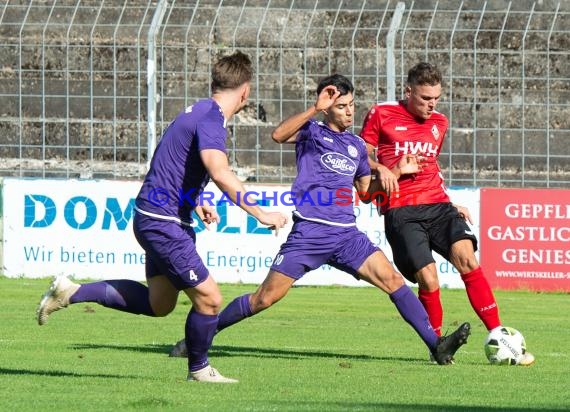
[[177, 175], [328, 162]]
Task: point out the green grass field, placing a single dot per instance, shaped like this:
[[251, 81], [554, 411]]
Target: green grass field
[[320, 349]]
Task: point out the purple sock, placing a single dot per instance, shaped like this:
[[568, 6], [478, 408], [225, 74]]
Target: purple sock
[[415, 314], [124, 295], [237, 310], [199, 334]]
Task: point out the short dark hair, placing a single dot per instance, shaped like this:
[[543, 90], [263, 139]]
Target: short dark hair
[[423, 74], [343, 85], [230, 72]]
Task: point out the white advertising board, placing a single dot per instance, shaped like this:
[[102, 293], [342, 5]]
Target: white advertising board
[[83, 228], [79, 228]]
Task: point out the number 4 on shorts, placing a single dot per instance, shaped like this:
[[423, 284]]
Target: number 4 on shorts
[[193, 275]]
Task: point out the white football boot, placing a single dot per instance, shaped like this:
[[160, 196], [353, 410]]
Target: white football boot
[[56, 297], [209, 374], [527, 359]]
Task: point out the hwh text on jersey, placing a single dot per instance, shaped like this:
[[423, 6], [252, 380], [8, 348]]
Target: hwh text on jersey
[[426, 148]]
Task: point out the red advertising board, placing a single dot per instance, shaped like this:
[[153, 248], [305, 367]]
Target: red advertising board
[[525, 238]]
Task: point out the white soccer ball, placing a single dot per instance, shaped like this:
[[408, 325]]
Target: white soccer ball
[[505, 346]]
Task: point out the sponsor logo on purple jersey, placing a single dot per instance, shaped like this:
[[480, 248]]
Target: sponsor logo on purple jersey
[[339, 163]]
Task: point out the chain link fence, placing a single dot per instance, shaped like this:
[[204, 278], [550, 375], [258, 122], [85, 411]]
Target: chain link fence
[[86, 87]]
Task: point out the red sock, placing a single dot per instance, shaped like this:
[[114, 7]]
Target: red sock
[[432, 304], [481, 298]]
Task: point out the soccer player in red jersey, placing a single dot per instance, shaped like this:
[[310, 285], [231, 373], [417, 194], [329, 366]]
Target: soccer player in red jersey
[[419, 215]]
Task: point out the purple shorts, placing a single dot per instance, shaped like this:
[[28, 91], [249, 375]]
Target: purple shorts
[[170, 250], [311, 244]]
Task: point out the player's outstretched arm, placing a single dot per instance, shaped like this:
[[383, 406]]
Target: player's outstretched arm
[[464, 213], [368, 189], [218, 168], [207, 215], [386, 179], [288, 129], [409, 164]]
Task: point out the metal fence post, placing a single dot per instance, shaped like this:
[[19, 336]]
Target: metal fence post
[[390, 59], [151, 77]]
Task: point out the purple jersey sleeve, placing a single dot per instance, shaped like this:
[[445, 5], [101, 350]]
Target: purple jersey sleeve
[[363, 165], [177, 175]]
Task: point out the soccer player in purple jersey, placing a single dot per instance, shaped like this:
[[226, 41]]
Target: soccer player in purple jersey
[[191, 152], [331, 160]]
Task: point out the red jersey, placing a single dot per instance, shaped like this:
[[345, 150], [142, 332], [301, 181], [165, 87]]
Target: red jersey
[[395, 132]]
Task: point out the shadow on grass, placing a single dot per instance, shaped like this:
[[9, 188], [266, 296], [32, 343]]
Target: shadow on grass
[[229, 351], [56, 374], [387, 407], [221, 351], [131, 348]]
